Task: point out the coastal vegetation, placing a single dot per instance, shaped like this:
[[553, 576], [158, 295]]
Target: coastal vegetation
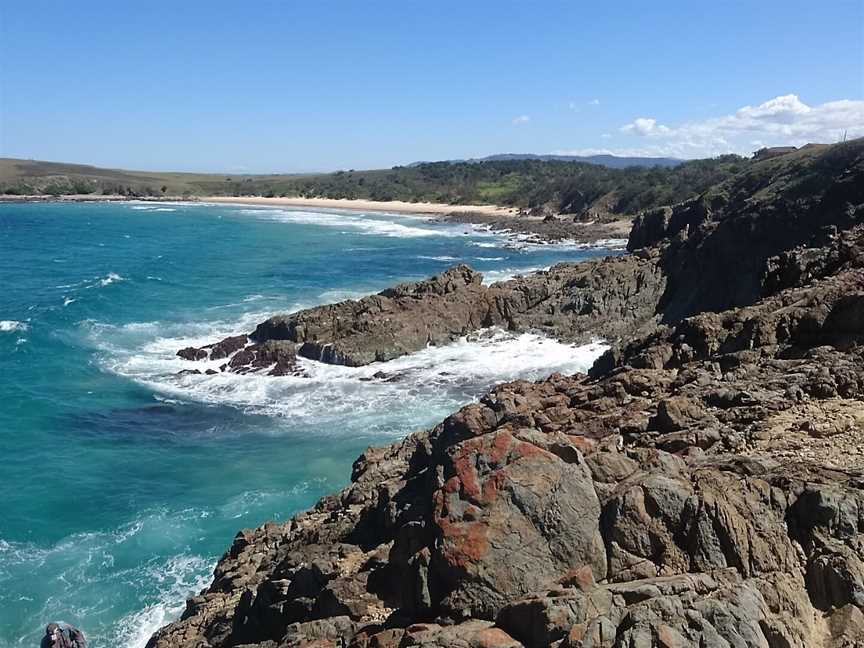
[[560, 186]]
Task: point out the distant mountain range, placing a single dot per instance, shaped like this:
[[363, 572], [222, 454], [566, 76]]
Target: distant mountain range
[[611, 161]]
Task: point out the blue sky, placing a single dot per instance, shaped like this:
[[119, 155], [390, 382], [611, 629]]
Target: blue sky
[[289, 86]]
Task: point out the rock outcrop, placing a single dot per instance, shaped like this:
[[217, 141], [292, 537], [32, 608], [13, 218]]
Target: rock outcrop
[[702, 486], [715, 247], [609, 298]]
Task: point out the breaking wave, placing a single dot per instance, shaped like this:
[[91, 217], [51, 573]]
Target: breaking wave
[[389, 395], [392, 226], [10, 326], [78, 562]]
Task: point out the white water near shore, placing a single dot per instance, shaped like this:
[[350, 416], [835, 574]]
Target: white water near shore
[[168, 467], [414, 384], [334, 400]]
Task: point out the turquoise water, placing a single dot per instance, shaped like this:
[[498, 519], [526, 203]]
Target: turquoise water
[[123, 483]]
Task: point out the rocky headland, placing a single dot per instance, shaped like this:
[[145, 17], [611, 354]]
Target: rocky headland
[[544, 226], [702, 486]]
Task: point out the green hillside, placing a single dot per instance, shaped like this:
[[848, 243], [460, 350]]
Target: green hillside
[[561, 186]]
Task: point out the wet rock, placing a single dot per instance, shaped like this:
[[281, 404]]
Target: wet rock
[[227, 346], [191, 353], [578, 302]]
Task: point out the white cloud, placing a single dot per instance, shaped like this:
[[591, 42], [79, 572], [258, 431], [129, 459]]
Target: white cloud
[[594, 102], [521, 119], [606, 135], [644, 126], [620, 152], [784, 120]]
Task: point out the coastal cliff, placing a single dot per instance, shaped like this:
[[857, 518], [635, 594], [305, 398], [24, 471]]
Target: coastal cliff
[[702, 486]]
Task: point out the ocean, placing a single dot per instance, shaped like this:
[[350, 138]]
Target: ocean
[[122, 483]]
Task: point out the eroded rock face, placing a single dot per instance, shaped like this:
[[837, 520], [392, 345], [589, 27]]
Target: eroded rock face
[[574, 302], [717, 248], [392, 323], [703, 486]]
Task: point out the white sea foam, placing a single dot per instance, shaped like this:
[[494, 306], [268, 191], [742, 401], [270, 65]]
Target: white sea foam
[[157, 208], [159, 337], [181, 577], [435, 379], [505, 274], [257, 500], [613, 244], [393, 226], [9, 326], [438, 258], [332, 296], [160, 583], [112, 277]]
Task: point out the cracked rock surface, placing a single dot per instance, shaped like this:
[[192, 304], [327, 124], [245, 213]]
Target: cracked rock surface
[[702, 486]]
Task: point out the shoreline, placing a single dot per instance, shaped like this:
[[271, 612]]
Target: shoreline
[[397, 206], [557, 229], [501, 220]]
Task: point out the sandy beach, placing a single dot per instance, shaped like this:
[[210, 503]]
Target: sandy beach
[[493, 216], [365, 205], [397, 206]]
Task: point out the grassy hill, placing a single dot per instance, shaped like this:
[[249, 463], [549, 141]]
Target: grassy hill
[[557, 185]]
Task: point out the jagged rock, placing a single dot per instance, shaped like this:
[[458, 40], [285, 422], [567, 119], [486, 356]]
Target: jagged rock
[[510, 517], [575, 302], [191, 353], [279, 354], [394, 322], [227, 346], [704, 486]]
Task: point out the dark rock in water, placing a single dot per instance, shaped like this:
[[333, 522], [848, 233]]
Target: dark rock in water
[[216, 351], [189, 372], [242, 360], [191, 353], [383, 376], [279, 354], [227, 346], [575, 302], [703, 486], [392, 323]]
